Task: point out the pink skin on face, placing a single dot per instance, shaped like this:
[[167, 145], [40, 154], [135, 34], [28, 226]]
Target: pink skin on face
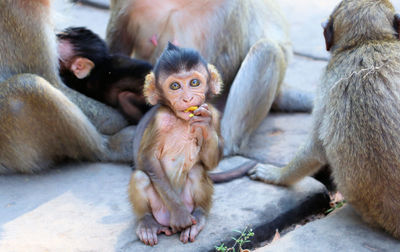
[[184, 90]]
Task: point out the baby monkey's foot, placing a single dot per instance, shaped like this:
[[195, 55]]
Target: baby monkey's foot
[[190, 233], [148, 229]]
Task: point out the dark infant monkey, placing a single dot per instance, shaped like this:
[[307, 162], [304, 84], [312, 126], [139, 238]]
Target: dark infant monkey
[[116, 80], [356, 127], [178, 141]]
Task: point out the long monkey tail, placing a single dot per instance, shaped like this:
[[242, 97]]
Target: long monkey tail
[[225, 176]]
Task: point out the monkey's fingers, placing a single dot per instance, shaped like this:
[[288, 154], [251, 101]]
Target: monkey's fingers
[[200, 122], [203, 112], [191, 109], [204, 105], [181, 220], [200, 128]]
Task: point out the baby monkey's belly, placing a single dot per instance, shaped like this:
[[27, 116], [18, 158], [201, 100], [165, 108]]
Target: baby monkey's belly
[[179, 155], [161, 212]]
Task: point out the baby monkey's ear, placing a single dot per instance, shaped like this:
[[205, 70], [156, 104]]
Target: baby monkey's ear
[[81, 67], [215, 84], [150, 90]]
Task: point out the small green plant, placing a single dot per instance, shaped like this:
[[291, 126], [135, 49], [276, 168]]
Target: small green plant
[[337, 205], [239, 242]]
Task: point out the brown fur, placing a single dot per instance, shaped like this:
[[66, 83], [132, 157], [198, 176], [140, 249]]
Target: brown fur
[[247, 41], [168, 135], [357, 115], [203, 196], [40, 119]]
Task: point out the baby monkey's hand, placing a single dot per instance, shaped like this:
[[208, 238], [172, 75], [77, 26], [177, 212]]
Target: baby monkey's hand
[[201, 122]]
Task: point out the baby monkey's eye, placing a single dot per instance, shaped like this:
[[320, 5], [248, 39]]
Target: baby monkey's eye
[[174, 86], [194, 83]]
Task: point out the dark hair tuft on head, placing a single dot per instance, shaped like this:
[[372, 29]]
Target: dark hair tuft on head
[[85, 43], [171, 46], [175, 59]]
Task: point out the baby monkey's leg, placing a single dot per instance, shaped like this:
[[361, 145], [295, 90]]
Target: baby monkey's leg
[[145, 202], [197, 194]]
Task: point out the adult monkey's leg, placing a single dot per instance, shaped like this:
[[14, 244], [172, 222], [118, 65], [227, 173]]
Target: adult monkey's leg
[[41, 126], [106, 119], [252, 93]]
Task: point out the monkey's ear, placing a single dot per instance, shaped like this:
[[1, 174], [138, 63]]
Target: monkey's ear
[[150, 90], [397, 24], [215, 84], [81, 67], [328, 33]]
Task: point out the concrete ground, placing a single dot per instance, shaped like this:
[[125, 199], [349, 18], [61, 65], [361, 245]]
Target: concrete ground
[[84, 207]]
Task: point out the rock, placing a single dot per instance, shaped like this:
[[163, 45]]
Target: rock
[[343, 230], [85, 207]]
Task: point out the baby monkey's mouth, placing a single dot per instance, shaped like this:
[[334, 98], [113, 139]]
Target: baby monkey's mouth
[[191, 109]]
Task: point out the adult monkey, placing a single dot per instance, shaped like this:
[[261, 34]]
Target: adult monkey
[[40, 121], [247, 40], [356, 126]]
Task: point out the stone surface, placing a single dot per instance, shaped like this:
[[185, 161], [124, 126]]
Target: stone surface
[[85, 208], [68, 14], [279, 137], [343, 230]]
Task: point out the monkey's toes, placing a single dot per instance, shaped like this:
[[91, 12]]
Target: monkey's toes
[[264, 172], [185, 235], [148, 236], [190, 233]]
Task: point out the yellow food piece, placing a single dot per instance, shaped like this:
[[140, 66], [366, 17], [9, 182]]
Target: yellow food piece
[[192, 108], [191, 115]]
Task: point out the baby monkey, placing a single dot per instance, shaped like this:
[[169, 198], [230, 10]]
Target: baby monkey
[[88, 67], [177, 142]]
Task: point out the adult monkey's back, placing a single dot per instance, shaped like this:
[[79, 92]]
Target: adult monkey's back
[[41, 121], [247, 40], [356, 119]]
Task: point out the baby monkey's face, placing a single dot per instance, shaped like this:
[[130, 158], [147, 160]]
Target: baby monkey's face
[[184, 90]]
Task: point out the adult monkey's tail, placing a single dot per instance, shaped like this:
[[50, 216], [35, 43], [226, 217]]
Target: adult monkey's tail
[[225, 176]]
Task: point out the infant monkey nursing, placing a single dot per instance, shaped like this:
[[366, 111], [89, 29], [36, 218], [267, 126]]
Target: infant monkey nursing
[[178, 142]]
